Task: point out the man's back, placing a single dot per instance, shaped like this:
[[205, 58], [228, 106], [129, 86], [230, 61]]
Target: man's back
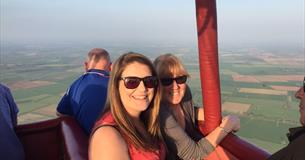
[[85, 98]]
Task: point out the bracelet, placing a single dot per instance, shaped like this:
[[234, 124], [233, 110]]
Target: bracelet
[[223, 129]]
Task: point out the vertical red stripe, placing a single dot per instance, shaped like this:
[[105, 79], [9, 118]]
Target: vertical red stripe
[[208, 60]]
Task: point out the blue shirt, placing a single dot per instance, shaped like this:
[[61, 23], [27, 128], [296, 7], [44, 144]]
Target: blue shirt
[[8, 106], [85, 98], [10, 146]]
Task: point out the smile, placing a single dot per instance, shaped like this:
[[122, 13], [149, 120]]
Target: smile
[[174, 93], [143, 97]]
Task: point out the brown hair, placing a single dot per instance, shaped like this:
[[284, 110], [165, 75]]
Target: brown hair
[[168, 64], [150, 116]]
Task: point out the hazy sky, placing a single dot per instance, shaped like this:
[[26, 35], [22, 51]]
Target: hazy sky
[[251, 21]]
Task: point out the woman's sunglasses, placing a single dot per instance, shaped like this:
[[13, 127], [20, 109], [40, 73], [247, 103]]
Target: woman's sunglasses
[[134, 82], [169, 81]]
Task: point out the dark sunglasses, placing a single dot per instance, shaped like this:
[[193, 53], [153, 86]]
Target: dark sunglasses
[[134, 82], [169, 81]]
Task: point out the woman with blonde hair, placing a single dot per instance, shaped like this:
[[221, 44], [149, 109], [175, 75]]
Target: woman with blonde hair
[[129, 126], [178, 115]]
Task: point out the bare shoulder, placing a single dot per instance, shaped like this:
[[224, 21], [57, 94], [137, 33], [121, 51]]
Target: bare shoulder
[[108, 143]]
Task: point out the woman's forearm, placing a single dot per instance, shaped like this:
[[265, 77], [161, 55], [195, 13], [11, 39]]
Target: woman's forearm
[[217, 135]]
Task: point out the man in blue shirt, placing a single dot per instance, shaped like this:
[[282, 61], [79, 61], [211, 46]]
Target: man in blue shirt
[[10, 146], [86, 97]]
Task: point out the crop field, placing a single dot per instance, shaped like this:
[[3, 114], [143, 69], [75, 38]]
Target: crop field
[[240, 108], [260, 90], [285, 88]]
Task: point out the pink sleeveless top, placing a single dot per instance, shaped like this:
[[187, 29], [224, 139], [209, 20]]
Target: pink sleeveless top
[[134, 153]]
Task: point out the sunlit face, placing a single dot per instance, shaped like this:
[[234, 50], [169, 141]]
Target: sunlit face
[[174, 93], [301, 95], [136, 100]]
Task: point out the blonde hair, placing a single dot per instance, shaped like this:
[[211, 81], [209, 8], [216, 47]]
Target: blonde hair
[[150, 116], [166, 65]]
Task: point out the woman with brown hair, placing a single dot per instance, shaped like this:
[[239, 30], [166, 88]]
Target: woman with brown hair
[[178, 115], [129, 126]]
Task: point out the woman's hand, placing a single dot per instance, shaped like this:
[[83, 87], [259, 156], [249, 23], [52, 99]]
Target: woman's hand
[[230, 123]]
